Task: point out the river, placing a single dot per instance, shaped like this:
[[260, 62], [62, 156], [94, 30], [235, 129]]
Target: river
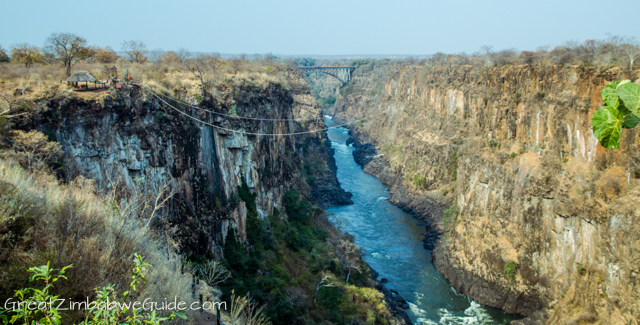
[[391, 241]]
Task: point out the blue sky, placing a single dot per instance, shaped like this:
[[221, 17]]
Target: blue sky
[[321, 27]]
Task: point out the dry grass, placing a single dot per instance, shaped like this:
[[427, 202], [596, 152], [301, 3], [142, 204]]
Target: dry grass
[[42, 220], [175, 79]]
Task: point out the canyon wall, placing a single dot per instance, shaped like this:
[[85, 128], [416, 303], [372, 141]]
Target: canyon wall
[[130, 140], [511, 149]]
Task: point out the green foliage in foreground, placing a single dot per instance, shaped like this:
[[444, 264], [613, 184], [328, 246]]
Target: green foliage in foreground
[[288, 255], [621, 110], [99, 313], [510, 270]]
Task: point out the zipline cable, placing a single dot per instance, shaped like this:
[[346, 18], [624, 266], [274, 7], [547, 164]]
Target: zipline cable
[[253, 133], [235, 116]]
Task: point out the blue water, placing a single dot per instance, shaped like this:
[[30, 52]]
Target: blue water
[[391, 240]]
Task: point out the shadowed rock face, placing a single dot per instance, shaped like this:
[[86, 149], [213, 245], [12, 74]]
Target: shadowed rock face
[[513, 148], [131, 141]]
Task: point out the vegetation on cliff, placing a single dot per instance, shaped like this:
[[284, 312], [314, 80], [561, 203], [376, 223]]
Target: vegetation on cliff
[[285, 259], [536, 192], [271, 266]]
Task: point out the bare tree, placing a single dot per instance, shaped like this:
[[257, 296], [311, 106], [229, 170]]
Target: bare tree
[[488, 59], [349, 257], [213, 272], [528, 57], [324, 283], [237, 62], [182, 54], [562, 55], [136, 50], [27, 54], [156, 55], [202, 65], [439, 58], [169, 57], [541, 52], [67, 49], [632, 51], [588, 51]]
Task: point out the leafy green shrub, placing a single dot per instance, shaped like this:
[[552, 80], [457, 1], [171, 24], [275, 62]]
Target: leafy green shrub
[[292, 238], [580, 268], [233, 111], [540, 95], [199, 98], [419, 181], [95, 315], [329, 101], [453, 165], [517, 97], [510, 270]]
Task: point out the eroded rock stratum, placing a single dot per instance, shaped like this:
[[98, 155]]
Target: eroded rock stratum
[[513, 148]]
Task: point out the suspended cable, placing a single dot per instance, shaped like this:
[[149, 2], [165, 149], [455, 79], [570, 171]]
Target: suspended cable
[[235, 116], [250, 133]]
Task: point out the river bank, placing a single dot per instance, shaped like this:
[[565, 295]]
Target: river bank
[[392, 243], [541, 217]]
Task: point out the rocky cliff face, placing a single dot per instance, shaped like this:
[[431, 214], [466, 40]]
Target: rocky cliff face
[[513, 149], [130, 140]]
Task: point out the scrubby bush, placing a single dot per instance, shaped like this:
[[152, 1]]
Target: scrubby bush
[[453, 165], [510, 270], [419, 181], [450, 215]]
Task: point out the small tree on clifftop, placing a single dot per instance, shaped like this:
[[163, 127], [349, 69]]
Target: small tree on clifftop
[[68, 49], [136, 51], [26, 54]]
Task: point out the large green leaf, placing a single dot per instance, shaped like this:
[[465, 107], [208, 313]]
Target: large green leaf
[[609, 94], [629, 94], [629, 120], [607, 126]]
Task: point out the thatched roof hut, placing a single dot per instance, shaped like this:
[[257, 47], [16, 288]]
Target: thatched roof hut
[[82, 76], [86, 77]]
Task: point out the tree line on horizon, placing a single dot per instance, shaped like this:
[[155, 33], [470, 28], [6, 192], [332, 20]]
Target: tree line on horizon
[[68, 49], [613, 51]]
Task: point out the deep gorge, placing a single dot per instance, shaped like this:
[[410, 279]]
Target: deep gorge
[[517, 205], [509, 150]]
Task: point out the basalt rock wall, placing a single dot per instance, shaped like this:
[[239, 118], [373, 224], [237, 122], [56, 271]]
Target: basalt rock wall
[[513, 149], [131, 140]]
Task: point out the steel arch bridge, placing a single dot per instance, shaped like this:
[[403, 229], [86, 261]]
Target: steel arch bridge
[[342, 73]]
